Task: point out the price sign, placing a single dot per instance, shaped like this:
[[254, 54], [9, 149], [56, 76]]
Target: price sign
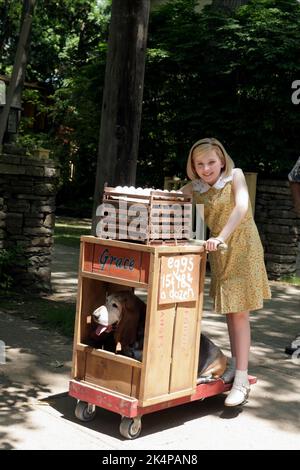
[[179, 279]]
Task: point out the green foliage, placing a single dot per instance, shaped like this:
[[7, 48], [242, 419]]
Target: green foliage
[[222, 74], [6, 279], [10, 14], [9, 258], [69, 234], [294, 280], [217, 73], [32, 141], [67, 61], [59, 316]]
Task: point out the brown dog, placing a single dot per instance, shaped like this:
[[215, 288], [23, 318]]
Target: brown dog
[[123, 315], [212, 362], [122, 319]]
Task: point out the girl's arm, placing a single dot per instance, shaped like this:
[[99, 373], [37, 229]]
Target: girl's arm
[[241, 197]]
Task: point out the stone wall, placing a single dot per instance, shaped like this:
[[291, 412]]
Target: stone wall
[[27, 204], [279, 227]]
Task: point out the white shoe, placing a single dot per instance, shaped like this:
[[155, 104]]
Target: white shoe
[[237, 395]]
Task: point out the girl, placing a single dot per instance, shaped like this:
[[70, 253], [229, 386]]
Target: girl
[[239, 280]]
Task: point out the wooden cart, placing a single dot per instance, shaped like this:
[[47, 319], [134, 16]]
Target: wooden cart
[[173, 279]]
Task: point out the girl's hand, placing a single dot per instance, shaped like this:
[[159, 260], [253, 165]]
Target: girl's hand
[[212, 244]]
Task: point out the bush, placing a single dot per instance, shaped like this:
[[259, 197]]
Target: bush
[[9, 258]]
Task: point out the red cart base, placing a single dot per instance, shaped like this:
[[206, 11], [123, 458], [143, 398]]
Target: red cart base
[[90, 396]]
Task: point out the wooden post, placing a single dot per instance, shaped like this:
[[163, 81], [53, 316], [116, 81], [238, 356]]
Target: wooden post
[[251, 180], [122, 97]]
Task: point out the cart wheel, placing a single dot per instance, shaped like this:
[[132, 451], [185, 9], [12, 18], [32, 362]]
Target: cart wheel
[[85, 411], [130, 427]]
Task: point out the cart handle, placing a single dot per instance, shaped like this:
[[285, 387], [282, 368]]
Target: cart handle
[[221, 247]]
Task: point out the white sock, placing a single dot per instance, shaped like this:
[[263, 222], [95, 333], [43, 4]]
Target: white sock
[[241, 377]]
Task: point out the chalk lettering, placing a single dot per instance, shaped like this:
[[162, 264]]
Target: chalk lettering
[[106, 259], [178, 279]]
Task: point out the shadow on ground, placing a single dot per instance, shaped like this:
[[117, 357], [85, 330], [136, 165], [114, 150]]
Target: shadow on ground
[[37, 361], [275, 398], [107, 422], [16, 403]]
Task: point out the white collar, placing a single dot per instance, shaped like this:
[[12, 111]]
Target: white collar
[[202, 187]]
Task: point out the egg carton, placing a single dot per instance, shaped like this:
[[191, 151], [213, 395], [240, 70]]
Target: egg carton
[[165, 216]]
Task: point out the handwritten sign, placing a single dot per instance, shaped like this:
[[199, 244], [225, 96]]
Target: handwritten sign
[[179, 279], [116, 262]]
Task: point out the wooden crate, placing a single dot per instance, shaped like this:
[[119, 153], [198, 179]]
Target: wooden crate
[[173, 278], [145, 215]]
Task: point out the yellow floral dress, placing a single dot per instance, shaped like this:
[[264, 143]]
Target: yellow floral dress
[[239, 279]]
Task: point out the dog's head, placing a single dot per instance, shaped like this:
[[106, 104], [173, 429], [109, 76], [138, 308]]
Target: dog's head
[[122, 313]]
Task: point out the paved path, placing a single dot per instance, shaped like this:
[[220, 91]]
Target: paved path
[[37, 413], [64, 272]]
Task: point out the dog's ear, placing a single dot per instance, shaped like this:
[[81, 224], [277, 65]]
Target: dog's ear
[[211, 361], [129, 301], [126, 332], [135, 304]]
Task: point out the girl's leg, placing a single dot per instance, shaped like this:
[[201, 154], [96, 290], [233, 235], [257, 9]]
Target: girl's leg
[[229, 374], [240, 337], [230, 327]]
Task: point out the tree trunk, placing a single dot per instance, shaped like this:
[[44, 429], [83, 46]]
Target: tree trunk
[[17, 78], [122, 97]]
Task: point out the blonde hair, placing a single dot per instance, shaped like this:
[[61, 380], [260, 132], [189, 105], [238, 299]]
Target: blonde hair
[[207, 145]]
